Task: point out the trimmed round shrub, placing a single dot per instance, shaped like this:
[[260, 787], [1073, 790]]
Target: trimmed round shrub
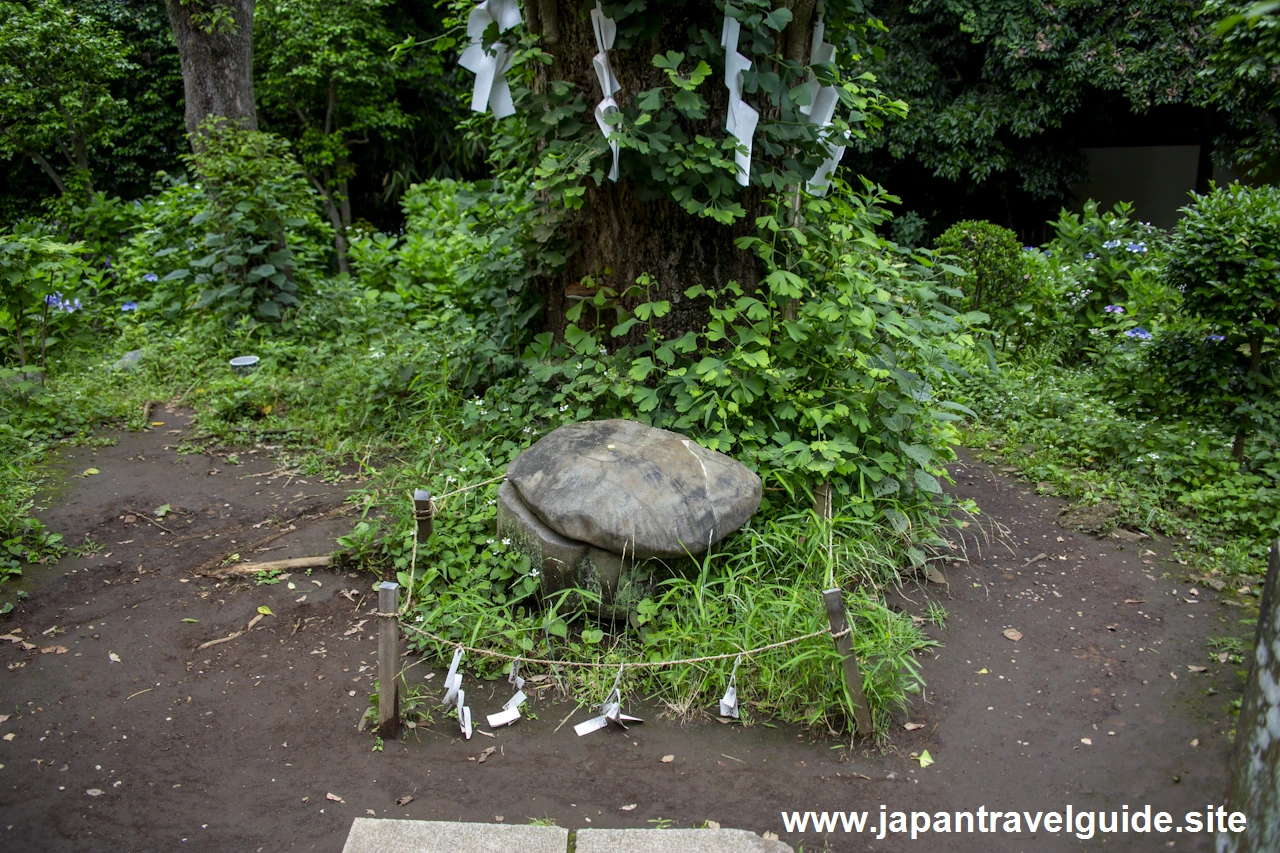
[[992, 257]]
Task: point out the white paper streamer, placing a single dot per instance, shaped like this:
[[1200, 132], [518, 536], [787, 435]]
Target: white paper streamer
[[741, 120], [452, 681], [606, 30], [729, 702], [464, 714], [491, 89], [610, 712], [822, 109]]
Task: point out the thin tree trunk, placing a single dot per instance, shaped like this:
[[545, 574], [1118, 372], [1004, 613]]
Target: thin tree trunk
[[1254, 788], [49, 170], [1255, 373], [217, 66]]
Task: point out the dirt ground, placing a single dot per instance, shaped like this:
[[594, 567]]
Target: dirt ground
[[120, 734]]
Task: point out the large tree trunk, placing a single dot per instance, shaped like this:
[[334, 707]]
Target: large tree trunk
[[217, 61], [620, 236], [1254, 788]]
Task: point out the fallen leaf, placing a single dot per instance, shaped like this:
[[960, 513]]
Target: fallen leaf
[[1195, 742], [157, 423], [1086, 741], [10, 736], [911, 727], [627, 808], [1174, 676], [935, 576], [89, 472], [4, 718], [317, 583], [57, 650], [265, 610], [1135, 601], [405, 800], [484, 756], [1193, 591], [982, 671], [371, 812], [94, 792], [335, 798], [292, 585], [667, 759], [1012, 634], [769, 836], [498, 818], [354, 629], [160, 511], [1197, 668], [1222, 658], [115, 658], [189, 619], [925, 759], [713, 824]]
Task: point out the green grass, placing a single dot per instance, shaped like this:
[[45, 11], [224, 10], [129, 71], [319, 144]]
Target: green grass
[[365, 397]]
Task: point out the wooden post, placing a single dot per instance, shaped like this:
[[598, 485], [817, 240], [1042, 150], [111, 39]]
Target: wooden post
[[822, 499], [388, 660], [834, 599], [1254, 786], [423, 513]]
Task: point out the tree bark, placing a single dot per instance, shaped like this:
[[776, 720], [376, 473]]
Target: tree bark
[[217, 61], [1254, 788], [618, 235]]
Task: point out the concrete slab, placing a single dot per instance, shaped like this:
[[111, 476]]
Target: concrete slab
[[369, 835], [676, 841]]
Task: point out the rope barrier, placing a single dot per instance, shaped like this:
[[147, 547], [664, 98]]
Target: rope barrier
[[656, 664]]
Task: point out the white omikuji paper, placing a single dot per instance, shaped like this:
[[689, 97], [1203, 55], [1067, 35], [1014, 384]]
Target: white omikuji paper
[[729, 702], [491, 90], [606, 30], [742, 118], [821, 109], [610, 712]]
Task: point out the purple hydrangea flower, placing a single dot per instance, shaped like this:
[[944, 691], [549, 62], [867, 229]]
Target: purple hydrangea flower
[[1214, 338], [1089, 256], [54, 300], [151, 277], [1111, 244], [1139, 333], [71, 306], [129, 306], [1114, 309]]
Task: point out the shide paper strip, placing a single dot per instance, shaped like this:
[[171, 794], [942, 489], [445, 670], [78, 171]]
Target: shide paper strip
[[742, 118], [610, 712], [491, 89], [821, 109], [729, 702], [453, 680], [606, 30]]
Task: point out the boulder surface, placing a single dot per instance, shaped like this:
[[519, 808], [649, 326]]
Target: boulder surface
[[634, 490]]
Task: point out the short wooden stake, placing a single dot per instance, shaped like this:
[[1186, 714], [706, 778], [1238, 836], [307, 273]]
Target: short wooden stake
[[388, 660], [834, 599]]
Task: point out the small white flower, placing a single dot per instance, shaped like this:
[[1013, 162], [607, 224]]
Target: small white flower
[[506, 541], [533, 573]]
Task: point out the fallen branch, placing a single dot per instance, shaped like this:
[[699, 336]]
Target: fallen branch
[[225, 639], [320, 562]]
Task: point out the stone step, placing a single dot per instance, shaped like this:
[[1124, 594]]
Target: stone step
[[377, 835]]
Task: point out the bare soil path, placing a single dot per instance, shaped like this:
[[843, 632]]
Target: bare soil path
[[121, 734]]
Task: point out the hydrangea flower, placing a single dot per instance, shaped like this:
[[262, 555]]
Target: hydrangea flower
[[54, 300], [1139, 333], [1089, 256], [129, 306], [1137, 248], [1114, 309], [1111, 244], [1214, 338], [1028, 248], [151, 277]]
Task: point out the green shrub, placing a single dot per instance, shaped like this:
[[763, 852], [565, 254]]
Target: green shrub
[[247, 240], [1224, 257], [41, 282], [992, 258]]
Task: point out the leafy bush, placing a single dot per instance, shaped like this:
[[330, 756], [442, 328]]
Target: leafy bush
[[992, 258], [42, 280], [246, 240], [1112, 260], [1224, 257]]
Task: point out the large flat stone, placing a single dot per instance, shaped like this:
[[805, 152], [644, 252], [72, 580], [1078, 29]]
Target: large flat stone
[[633, 490], [675, 841], [369, 835]]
